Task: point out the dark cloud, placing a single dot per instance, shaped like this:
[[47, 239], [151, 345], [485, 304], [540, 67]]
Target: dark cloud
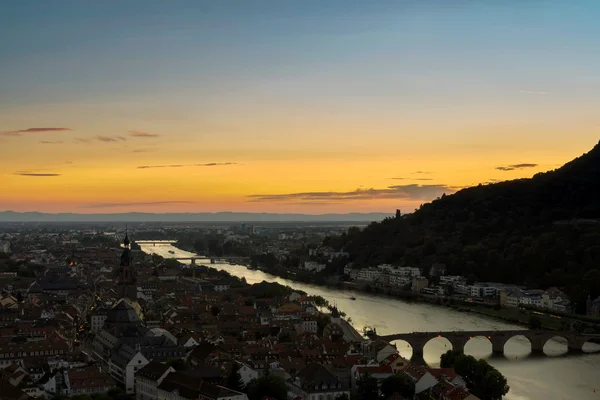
[[408, 192], [516, 166], [412, 179], [186, 165], [141, 134], [33, 130], [146, 203], [35, 174], [50, 142], [107, 139]]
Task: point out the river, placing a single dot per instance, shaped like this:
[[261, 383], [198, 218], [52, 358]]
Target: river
[[553, 376]]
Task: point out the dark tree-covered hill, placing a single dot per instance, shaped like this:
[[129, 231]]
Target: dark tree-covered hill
[[541, 232]]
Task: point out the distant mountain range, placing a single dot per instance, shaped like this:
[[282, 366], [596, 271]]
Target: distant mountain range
[[11, 216]]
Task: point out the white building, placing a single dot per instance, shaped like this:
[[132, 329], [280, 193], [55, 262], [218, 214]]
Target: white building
[[247, 373], [452, 280], [313, 266], [482, 290], [369, 274], [124, 364], [97, 320], [148, 378]]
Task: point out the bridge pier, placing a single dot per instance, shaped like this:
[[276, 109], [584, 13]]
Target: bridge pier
[[193, 261], [458, 346], [537, 344], [417, 349], [497, 345]]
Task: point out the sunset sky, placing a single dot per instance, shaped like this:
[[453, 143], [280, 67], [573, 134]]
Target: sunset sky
[[309, 106]]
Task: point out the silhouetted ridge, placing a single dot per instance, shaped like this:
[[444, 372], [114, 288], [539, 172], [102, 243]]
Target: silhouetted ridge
[[525, 231]]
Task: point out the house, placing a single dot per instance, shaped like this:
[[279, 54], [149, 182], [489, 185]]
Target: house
[[148, 378], [295, 296], [315, 382], [421, 377], [97, 319], [87, 380], [247, 372], [396, 362], [181, 386], [290, 308], [419, 283], [379, 350], [124, 364], [379, 372]]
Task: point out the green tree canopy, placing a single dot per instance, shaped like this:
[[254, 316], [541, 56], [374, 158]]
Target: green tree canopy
[[483, 380], [400, 384], [366, 387], [268, 385], [234, 380]]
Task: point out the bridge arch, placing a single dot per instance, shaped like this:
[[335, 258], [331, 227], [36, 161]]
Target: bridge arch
[[438, 345], [404, 347], [480, 345], [518, 345], [558, 344]]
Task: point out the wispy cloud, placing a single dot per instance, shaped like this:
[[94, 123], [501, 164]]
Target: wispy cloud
[[50, 142], [107, 139], [100, 138], [516, 166], [32, 130], [38, 174], [187, 165], [407, 192], [136, 204], [533, 92], [141, 134], [143, 150], [422, 173]]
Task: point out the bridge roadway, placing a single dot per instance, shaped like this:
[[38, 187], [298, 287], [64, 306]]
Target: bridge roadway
[[212, 259], [458, 339]]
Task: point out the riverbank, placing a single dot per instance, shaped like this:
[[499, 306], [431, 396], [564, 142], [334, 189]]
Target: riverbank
[[517, 316]]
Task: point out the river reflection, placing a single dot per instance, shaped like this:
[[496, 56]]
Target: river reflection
[[555, 375]]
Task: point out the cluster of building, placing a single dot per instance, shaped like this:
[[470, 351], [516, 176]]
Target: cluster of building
[[89, 321]]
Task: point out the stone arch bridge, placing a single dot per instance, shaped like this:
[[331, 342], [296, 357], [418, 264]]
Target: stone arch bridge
[[458, 339]]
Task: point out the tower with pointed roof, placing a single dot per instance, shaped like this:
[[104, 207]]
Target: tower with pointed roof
[[127, 288]]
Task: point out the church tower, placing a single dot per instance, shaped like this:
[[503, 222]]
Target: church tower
[[127, 281]]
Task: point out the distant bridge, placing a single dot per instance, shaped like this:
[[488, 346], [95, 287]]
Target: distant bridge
[[458, 339], [156, 242], [213, 260]]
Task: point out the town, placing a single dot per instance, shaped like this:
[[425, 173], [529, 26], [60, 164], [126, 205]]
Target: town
[[82, 316]]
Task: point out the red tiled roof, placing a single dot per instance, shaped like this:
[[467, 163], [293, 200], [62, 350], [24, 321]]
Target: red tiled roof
[[375, 369]]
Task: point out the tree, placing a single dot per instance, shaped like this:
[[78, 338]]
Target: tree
[[268, 385], [215, 310], [367, 387], [101, 396], [400, 384], [177, 363], [234, 380], [483, 380], [535, 322]]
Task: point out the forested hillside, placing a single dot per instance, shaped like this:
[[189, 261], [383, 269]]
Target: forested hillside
[[543, 231]]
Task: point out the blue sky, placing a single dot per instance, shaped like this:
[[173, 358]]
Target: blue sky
[[373, 84]]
